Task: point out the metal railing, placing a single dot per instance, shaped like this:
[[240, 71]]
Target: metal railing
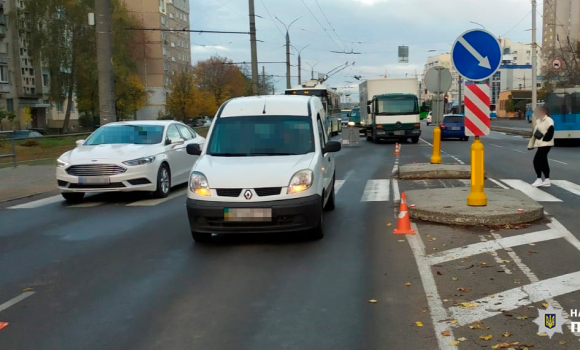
[[13, 154]]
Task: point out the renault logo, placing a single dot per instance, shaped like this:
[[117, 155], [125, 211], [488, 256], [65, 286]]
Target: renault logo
[[398, 125], [248, 194]]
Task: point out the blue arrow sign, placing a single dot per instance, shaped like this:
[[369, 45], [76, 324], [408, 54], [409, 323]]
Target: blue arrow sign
[[476, 54]]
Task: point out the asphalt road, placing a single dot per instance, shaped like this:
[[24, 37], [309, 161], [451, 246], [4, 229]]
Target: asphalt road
[[122, 272]]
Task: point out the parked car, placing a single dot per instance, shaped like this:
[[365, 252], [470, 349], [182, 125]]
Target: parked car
[[128, 156], [429, 118], [268, 166], [453, 126]]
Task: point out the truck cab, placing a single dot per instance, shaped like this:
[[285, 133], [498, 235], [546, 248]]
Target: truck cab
[[393, 116]]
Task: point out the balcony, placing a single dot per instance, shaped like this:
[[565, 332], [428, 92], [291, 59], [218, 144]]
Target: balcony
[[4, 88], [2, 31], [3, 58]]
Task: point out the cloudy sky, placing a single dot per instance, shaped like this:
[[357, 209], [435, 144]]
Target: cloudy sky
[[375, 28]]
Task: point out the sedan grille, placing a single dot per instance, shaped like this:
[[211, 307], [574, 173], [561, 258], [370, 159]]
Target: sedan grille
[[95, 170]]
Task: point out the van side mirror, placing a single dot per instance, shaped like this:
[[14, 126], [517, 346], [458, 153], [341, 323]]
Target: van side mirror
[[193, 149], [79, 143], [369, 109], [331, 146]]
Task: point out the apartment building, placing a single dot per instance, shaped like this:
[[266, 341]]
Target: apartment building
[[561, 23], [24, 83], [162, 51], [445, 61]]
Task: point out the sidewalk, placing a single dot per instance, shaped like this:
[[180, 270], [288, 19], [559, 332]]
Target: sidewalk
[[26, 180]]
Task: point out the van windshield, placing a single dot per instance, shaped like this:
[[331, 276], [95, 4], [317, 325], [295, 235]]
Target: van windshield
[[397, 105], [261, 136]]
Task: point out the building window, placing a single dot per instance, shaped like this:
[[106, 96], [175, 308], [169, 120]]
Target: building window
[[164, 51], [45, 80], [163, 35], [171, 15], [3, 74], [59, 106], [72, 106], [163, 20], [31, 71], [10, 105], [32, 91]]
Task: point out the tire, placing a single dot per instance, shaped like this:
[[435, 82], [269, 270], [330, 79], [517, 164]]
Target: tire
[[318, 232], [375, 138], [73, 197], [465, 138], [414, 139], [369, 138], [163, 182], [201, 237], [330, 202]]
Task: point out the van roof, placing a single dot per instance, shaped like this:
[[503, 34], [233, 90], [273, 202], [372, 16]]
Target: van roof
[[267, 105]]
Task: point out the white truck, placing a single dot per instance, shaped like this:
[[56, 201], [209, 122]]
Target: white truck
[[390, 109]]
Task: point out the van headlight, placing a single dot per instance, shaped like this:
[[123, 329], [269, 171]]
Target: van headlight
[[301, 181], [140, 161], [198, 184]]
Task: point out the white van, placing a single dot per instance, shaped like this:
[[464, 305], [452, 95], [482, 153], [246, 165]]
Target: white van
[[267, 166]]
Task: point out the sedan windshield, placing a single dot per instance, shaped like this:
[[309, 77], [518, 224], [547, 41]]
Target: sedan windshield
[[126, 134], [261, 136], [398, 105]]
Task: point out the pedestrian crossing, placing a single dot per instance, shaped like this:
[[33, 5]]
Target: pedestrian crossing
[[374, 190]]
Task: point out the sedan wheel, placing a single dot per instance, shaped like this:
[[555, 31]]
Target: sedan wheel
[[163, 182]]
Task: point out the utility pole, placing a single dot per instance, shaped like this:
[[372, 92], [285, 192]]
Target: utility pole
[[263, 81], [534, 61], [288, 83], [312, 69], [459, 107], [254, 48], [105, 62], [300, 63]]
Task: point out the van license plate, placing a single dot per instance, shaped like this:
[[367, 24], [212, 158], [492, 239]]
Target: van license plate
[[94, 180], [399, 132], [247, 214]]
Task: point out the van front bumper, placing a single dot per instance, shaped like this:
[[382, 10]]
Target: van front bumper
[[287, 216], [396, 134]]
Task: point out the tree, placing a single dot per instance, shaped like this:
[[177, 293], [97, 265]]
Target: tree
[[569, 73], [186, 101], [9, 116], [510, 105], [130, 96], [221, 78]]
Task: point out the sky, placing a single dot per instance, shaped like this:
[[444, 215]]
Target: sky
[[375, 28]]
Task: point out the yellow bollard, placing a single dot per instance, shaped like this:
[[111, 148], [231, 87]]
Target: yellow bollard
[[436, 157], [477, 197]]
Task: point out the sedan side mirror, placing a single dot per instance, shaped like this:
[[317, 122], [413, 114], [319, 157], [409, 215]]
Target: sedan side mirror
[[193, 149], [79, 143], [331, 146]]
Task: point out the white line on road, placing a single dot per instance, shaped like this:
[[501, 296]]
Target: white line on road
[[568, 186], [531, 191], [337, 185], [396, 194], [426, 142], [498, 260], [376, 191], [499, 184], [86, 205], [15, 300], [557, 161], [465, 182], [39, 203], [496, 145], [438, 312], [153, 202], [515, 150], [484, 247]]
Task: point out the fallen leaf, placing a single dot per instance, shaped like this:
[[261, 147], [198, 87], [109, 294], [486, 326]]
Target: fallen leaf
[[27, 289], [506, 334], [522, 317], [464, 290], [454, 278], [372, 301], [446, 333], [389, 224], [486, 337], [453, 321], [475, 326], [494, 347], [462, 339], [434, 238], [505, 261], [543, 334], [445, 245], [419, 324], [469, 305], [435, 249], [545, 305], [401, 240], [483, 263], [454, 343], [423, 310], [439, 273], [562, 342], [517, 281], [532, 244], [408, 284]]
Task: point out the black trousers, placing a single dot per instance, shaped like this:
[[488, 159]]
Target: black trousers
[[541, 162]]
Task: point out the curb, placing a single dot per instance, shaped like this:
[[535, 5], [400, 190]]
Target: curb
[[26, 196], [525, 133]]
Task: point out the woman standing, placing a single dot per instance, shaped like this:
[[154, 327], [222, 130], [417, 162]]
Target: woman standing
[[543, 140]]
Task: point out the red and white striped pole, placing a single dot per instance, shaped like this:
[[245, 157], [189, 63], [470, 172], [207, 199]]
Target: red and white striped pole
[[477, 123]]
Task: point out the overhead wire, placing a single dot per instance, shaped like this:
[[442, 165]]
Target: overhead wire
[[321, 26], [330, 24]]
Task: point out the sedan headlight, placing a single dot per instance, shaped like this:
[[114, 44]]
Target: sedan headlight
[[301, 181], [61, 163], [198, 184], [140, 161]]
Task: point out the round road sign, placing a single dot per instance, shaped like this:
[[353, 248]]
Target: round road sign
[[557, 63], [438, 80], [476, 54]]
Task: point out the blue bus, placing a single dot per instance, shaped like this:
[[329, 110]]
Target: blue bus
[[529, 112], [564, 106]]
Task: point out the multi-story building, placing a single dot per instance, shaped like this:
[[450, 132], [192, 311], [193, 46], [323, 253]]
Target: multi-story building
[[561, 23], [162, 51], [24, 82], [445, 61]]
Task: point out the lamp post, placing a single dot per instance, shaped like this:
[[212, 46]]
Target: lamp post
[[287, 50]]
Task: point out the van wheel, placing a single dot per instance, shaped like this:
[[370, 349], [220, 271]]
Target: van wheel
[[73, 197], [201, 237], [414, 139], [318, 232], [330, 202], [375, 138], [163, 182]]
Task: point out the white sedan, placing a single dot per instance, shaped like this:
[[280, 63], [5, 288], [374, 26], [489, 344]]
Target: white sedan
[[128, 156]]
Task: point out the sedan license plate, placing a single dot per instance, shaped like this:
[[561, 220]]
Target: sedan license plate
[[247, 214], [399, 132], [456, 128], [94, 180]]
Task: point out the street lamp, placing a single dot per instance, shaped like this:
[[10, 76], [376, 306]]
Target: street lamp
[[300, 63], [288, 50], [312, 69]]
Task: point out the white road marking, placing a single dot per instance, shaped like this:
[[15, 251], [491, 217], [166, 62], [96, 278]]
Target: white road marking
[[438, 312], [337, 185], [376, 191], [39, 203], [465, 182], [15, 300], [153, 202], [515, 150], [514, 298], [426, 142], [396, 194], [499, 184], [531, 191], [86, 205], [484, 247], [496, 145], [557, 161], [568, 186], [496, 257]]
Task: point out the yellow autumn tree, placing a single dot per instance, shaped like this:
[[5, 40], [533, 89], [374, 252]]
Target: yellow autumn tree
[[130, 96], [185, 101]]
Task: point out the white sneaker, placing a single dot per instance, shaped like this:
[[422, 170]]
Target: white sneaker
[[538, 183], [546, 183]]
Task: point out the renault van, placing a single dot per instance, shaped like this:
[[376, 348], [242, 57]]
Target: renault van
[[267, 166]]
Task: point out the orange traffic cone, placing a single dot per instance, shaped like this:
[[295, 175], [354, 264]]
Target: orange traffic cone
[[404, 223], [397, 149]]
